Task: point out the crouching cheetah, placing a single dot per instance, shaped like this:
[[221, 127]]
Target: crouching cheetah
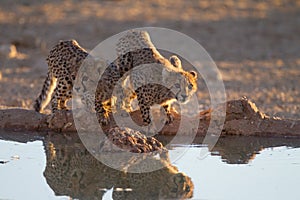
[[134, 49]]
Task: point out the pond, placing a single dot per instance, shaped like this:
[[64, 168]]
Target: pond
[[43, 167]]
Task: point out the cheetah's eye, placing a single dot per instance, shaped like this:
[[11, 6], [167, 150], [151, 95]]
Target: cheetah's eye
[[177, 85], [190, 86], [187, 189]]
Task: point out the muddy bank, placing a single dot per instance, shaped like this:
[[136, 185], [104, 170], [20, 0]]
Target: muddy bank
[[242, 118]]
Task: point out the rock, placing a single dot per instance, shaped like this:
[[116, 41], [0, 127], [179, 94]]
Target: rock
[[22, 120], [244, 118], [28, 39], [131, 151], [126, 139], [61, 121]]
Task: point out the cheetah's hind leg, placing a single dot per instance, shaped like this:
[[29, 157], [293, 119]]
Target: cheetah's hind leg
[[62, 93]]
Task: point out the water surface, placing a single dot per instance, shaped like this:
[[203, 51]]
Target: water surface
[[237, 168]]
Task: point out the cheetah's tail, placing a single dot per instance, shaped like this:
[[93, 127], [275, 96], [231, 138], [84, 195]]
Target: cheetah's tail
[[44, 98]]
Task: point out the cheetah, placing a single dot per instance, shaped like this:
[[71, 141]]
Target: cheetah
[[153, 79], [135, 49], [163, 87], [64, 61]]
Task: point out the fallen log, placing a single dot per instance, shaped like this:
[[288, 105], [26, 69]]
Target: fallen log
[[242, 118]]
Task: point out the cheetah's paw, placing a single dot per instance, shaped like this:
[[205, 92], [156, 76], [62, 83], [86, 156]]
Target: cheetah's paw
[[170, 119]]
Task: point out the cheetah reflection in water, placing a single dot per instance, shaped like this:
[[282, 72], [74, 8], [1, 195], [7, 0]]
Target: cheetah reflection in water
[[71, 170]]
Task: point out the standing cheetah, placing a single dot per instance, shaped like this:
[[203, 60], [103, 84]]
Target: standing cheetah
[[64, 61]]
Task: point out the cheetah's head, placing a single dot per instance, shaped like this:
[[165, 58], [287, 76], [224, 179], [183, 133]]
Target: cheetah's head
[[179, 186], [182, 83]]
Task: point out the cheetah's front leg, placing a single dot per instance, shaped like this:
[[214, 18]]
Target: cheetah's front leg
[[102, 113], [63, 102], [144, 105], [170, 117], [145, 110]]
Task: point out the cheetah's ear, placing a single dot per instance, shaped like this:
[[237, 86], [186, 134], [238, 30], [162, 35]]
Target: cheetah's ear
[[193, 73], [175, 61]]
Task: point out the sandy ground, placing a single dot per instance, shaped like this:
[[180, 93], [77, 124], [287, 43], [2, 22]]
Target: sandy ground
[[255, 44]]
